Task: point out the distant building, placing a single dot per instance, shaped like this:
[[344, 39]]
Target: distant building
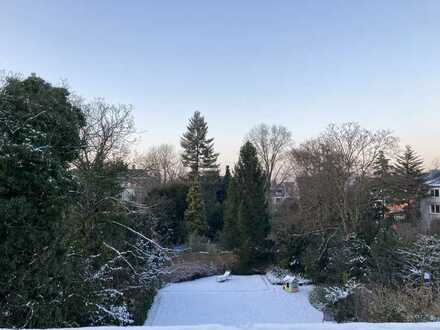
[[137, 184], [430, 205], [395, 211], [281, 192]]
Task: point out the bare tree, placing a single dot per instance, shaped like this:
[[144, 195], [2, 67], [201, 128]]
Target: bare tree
[[436, 164], [271, 143], [358, 146], [357, 149], [106, 133], [163, 162], [333, 173]]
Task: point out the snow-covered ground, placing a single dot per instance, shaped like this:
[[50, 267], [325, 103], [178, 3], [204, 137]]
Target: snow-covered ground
[[242, 300], [243, 303], [299, 326]]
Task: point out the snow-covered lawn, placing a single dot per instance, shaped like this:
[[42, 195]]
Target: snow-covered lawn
[[242, 300], [243, 303], [299, 326]]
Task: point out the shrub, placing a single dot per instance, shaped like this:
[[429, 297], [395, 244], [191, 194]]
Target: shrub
[[348, 259], [400, 304], [317, 298], [277, 274], [339, 300], [197, 243], [422, 259]]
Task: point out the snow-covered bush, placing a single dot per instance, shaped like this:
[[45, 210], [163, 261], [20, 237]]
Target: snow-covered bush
[[421, 261], [119, 313], [277, 274], [128, 278], [348, 259], [333, 294], [339, 300]]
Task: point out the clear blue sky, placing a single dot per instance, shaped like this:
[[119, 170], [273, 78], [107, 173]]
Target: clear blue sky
[[302, 64]]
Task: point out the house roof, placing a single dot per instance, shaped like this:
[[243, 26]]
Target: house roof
[[434, 182], [432, 178]]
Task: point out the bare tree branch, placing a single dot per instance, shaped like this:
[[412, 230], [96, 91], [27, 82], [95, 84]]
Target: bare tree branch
[[106, 134], [271, 143]]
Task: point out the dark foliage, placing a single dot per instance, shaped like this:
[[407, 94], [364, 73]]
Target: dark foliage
[[247, 219], [168, 204], [39, 137], [198, 152]]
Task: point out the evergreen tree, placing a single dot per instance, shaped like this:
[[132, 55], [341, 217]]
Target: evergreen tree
[[214, 189], [222, 193], [169, 205], [198, 152], [408, 182], [230, 238], [382, 184], [409, 164], [247, 218], [39, 138], [382, 168], [195, 215]]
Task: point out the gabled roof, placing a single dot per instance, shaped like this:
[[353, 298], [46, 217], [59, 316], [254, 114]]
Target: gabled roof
[[432, 178], [434, 182]]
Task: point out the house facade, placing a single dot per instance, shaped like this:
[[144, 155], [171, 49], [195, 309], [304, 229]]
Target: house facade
[[281, 192], [136, 185], [430, 205]]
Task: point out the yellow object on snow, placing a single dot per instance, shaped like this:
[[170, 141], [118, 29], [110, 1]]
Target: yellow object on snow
[[290, 284]]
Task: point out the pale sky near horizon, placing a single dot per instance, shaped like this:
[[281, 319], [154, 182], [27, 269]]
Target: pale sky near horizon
[[302, 64]]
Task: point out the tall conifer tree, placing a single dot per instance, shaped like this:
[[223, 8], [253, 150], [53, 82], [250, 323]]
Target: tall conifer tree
[[247, 217], [198, 149], [195, 214], [408, 175], [222, 192], [382, 184]]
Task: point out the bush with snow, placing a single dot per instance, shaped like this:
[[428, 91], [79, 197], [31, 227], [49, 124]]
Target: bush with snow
[[336, 299], [421, 261], [333, 294], [277, 274]]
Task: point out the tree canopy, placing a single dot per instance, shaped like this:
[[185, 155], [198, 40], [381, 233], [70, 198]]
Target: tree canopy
[[247, 219], [198, 150]]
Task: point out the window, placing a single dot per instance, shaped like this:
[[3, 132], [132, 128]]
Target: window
[[435, 208], [435, 192]]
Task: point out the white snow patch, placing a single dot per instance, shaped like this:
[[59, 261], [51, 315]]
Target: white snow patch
[[298, 326], [242, 300]]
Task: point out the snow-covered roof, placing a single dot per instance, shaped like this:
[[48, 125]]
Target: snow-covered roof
[[434, 182]]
